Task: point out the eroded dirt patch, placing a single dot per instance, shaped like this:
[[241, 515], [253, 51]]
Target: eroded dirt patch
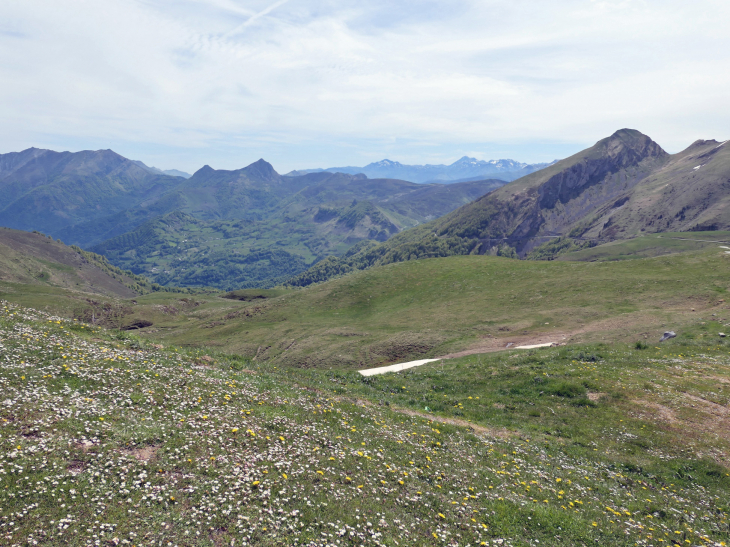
[[76, 467], [663, 413], [144, 454]]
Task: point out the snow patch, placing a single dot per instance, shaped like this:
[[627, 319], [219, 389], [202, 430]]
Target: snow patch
[[533, 346], [721, 144], [695, 168], [395, 368]]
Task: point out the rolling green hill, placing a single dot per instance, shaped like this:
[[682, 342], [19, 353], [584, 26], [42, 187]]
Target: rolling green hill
[[444, 306], [239, 418], [622, 187]]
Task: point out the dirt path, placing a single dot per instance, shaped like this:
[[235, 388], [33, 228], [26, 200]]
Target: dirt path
[[492, 431]]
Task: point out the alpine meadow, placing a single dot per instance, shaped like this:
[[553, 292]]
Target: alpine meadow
[[504, 321]]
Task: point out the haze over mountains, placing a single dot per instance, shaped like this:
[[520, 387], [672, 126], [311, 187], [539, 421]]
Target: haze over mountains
[[246, 227], [464, 169], [253, 227], [48, 191]]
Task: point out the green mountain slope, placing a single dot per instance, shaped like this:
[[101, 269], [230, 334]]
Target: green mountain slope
[[278, 228], [426, 308], [48, 191], [34, 259], [274, 226], [623, 186]]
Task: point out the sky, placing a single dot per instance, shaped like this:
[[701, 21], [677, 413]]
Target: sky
[[322, 83]]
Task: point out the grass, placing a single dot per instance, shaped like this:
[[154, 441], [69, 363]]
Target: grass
[[650, 246], [433, 307], [108, 439], [199, 431], [430, 308], [610, 399]]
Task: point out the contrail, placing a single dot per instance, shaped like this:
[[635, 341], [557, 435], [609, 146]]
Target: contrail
[[255, 16]]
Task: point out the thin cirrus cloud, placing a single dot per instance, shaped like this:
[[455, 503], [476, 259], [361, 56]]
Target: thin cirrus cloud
[[307, 83]]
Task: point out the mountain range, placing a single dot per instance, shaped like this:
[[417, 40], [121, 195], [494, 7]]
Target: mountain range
[[463, 170], [230, 229], [624, 186], [253, 227], [49, 191]]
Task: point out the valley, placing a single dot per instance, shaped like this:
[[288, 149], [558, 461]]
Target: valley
[[168, 228], [219, 401]]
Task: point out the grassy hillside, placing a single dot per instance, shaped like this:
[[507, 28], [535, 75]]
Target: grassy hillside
[[35, 259], [107, 439], [566, 248], [239, 417], [433, 308]]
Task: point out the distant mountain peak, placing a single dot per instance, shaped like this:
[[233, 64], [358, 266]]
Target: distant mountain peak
[[261, 168], [203, 171], [384, 163]]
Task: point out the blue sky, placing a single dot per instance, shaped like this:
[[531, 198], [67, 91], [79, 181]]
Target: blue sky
[[318, 83]]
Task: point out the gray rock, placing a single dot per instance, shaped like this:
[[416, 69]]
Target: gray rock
[[667, 335]]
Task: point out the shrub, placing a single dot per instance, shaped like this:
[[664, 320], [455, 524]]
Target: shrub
[[567, 389]]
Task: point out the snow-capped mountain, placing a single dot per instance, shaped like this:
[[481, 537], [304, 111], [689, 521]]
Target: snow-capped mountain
[[463, 169]]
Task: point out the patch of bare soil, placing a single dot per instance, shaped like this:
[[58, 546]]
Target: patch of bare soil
[[627, 327], [694, 417], [76, 467], [719, 413], [721, 379], [85, 446], [492, 431], [501, 343], [143, 454], [664, 413], [595, 396]]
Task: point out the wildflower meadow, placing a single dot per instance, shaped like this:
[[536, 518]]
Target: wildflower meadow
[[109, 440]]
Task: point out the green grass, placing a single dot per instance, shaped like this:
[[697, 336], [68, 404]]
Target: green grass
[[108, 438], [612, 399], [650, 246], [433, 307]]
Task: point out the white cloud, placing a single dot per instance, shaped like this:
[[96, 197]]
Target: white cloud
[[345, 81]]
